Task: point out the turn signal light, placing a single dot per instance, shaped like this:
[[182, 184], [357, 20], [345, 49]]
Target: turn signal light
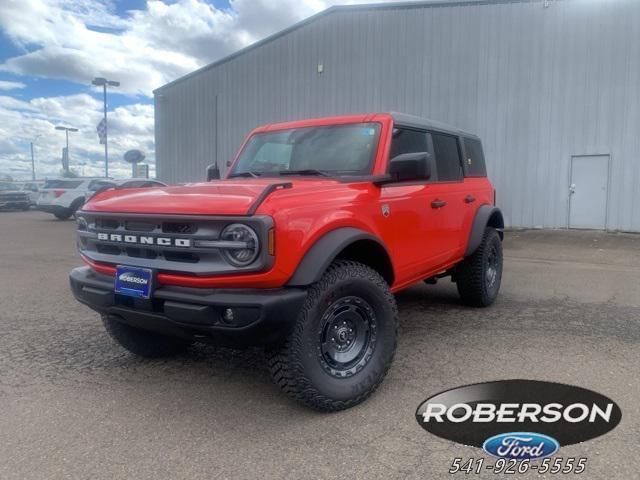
[[57, 193]]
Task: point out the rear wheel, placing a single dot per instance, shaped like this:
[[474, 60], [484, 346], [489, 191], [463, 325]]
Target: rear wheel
[[63, 215], [141, 342], [75, 206], [479, 276], [343, 342]]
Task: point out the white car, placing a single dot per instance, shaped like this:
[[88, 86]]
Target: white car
[[105, 184], [64, 196]]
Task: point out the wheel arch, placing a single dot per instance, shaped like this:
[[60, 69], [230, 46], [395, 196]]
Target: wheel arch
[[486, 216], [344, 243]]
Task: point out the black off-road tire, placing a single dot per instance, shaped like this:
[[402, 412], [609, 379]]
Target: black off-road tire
[[141, 342], [477, 285], [75, 206], [65, 215], [302, 367]]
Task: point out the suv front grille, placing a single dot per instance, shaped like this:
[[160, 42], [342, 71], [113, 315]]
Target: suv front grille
[[166, 243]]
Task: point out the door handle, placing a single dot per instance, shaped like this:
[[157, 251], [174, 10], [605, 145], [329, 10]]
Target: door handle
[[469, 199], [438, 204]]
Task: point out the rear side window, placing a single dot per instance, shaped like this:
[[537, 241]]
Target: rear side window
[[62, 183], [96, 185], [447, 154], [474, 162], [408, 141]]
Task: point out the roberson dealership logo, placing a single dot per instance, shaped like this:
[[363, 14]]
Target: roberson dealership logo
[[145, 240], [518, 419]]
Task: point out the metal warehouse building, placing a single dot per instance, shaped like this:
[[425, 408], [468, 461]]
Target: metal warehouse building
[[551, 86]]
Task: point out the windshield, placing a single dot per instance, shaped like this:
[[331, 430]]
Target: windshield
[[328, 150], [7, 186]]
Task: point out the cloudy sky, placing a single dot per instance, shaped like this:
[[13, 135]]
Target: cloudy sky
[[50, 50]]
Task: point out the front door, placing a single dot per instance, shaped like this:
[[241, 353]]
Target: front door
[[588, 191]]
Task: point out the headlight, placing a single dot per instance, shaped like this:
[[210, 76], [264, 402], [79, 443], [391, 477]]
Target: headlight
[[248, 244]]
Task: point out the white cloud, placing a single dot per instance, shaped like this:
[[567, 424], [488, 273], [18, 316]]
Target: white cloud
[[77, 40], [24, 121], [6, 85]]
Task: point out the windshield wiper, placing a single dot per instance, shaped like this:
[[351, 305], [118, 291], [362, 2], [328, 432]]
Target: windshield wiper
[[309, 171], [245, 174]]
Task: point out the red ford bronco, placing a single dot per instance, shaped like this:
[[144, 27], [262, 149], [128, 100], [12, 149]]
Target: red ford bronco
[[299, 249]]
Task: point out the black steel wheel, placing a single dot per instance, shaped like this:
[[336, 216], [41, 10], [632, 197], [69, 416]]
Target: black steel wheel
[[347, 336], [343, 340]]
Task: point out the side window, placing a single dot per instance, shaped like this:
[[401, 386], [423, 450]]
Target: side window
[[474, 162], [408, 141], [447, 154]]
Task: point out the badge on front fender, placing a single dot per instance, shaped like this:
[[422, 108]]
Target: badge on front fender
[[133, 281]]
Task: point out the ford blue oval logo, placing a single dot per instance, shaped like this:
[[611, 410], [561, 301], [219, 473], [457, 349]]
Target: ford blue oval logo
[[521, 446]]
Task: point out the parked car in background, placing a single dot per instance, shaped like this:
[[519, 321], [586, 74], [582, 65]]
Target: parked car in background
[[12, 197], [64, 196], [102, 185], [32, 189]]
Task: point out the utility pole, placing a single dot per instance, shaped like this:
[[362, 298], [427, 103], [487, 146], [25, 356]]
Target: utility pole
[[33, 161], [103, 82]]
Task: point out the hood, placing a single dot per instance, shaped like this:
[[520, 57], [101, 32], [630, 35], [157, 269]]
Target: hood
[[222, 197]]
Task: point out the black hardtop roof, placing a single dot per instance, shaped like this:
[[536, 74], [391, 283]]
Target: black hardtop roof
[[425, 123]]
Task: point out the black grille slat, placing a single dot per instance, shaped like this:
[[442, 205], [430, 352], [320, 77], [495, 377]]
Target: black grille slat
[[140, 226], [108, 249], [179, 227], [185, 257], [141, 252], [109, 223]]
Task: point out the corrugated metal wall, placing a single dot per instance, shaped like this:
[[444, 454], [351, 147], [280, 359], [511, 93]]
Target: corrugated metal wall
[[538, 84]]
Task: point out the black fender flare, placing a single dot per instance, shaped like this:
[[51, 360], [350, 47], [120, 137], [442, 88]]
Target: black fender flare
[[486, 215], [324, 251]]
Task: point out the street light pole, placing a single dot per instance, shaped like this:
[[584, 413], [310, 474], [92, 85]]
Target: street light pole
[[33, 161], [33, 165], [67, 130], [103, 82]]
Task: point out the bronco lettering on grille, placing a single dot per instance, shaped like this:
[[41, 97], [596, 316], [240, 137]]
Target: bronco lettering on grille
[[145, 240]]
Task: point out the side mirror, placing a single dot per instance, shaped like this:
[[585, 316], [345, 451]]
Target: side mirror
[[213, 172], [410, 166]]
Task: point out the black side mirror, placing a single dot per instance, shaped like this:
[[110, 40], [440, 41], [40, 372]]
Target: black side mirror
[[410, 166], [213, 172]]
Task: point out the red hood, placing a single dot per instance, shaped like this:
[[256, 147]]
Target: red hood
[[222, 197]]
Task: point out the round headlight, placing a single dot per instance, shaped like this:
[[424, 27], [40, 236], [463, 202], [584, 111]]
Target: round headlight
[[248, 244]]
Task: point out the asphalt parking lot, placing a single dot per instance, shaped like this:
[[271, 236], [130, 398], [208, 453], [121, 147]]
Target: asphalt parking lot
[[75, 405]]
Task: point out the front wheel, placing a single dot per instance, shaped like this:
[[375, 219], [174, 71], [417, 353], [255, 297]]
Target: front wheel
[[479, 276], [343, 341]]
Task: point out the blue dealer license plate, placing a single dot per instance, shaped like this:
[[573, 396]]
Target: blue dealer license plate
[[133, 281]]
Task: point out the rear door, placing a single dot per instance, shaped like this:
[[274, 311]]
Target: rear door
[[446, 196], [418, 212]]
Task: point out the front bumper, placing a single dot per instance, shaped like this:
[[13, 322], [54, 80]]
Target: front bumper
[[260, 317], [8, 204]]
